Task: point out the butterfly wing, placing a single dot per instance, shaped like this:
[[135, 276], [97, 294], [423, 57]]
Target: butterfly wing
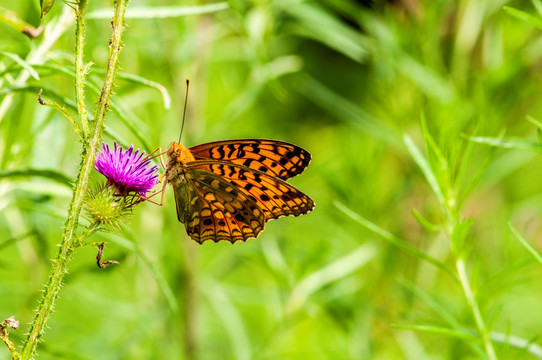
[[213, 209], [273, 196], [277, 158]]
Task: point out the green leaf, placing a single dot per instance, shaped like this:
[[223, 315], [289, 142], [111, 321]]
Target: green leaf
[[52, 175], [507, 143], [525, 243], [522, 15], [345, 110], [12, 19], [335, 271], [25, 65], [538, 5], [46, 6], [158, 275], [460, 232], [5, 243], [518, 343], [160, 12], [424, 167], [230, 316], [535, 122], [392, 239], [424, 222], [438, 331], [315, 23], [538, 124]]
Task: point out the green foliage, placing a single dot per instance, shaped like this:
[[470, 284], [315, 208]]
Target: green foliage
[[423, 120]]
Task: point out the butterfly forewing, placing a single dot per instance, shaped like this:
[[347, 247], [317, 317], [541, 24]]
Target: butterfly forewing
[[273, 196], [276, 158], [219, 211]]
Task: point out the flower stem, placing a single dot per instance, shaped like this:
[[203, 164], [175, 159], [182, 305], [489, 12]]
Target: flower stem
[[69, 237]]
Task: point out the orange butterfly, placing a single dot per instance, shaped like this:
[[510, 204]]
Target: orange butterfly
[[227, 190]]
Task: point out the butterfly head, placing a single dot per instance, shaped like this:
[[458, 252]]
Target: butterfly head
[[178, 154]]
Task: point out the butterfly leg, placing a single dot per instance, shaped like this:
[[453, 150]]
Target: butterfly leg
[[159, 155], [163, 190]]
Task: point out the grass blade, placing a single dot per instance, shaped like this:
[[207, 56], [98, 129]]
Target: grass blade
[[525, 243], [507, 143], [392, 239], [53, 175], [523, 16], [160, 12], [335, 271], [22, 63], [424, 167]]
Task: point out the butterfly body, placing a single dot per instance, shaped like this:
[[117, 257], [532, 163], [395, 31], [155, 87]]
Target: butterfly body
[[227, 190]]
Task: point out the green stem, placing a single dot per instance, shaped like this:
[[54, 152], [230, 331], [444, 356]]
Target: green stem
[[69, 238], [450, 208], [471, 299], [80, 72]]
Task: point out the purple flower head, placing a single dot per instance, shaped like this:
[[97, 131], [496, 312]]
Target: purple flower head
[[127, 171]]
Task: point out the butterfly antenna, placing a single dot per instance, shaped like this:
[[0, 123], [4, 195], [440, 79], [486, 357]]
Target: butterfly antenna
[[184, 111]]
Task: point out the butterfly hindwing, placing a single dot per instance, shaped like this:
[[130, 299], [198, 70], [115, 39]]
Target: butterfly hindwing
[[277, 158], [273, 196], [218, 210]]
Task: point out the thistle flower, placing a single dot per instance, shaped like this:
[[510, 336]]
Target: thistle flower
[[126, 171]]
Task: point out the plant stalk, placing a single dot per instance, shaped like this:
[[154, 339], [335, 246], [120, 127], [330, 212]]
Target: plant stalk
[[452, 223], [69, 237], [471, 299], [79, 69]]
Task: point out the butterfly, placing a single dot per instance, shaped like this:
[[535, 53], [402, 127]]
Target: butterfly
[[227, 190]]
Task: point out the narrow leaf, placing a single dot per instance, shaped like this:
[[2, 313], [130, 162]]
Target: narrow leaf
[[522, 15], [53, 175], [438, 331], [136, 79], [161, 12], [337, 270], [507, 143], [158, 275], [538, 5], [25, 65], [424, 167], [460, 231], [392, 239], [424, 222], [518, 343], [525, 243]]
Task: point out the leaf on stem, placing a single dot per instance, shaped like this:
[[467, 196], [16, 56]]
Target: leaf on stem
[[392, 238], [22, 63], [46, 6], [12, 19], [62, 110], [525, 243], [507, 143], [424, 166]]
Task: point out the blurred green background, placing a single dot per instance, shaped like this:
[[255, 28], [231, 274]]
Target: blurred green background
[[385, 95]]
